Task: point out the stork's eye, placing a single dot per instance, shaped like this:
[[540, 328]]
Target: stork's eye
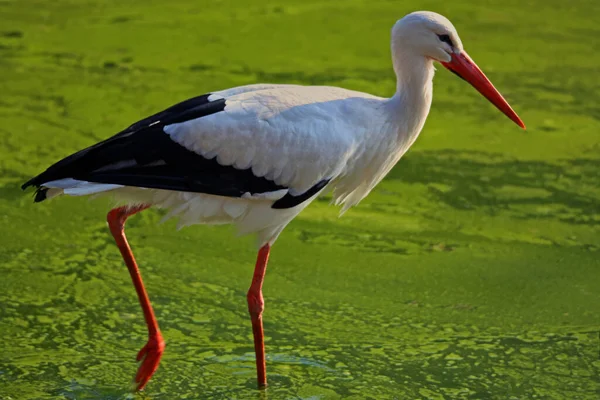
[[446, 39]]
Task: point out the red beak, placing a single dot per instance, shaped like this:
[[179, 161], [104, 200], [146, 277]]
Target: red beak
[[462, 65]]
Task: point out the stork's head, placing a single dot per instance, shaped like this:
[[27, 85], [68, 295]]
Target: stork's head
[[427, 34], [432, 36]]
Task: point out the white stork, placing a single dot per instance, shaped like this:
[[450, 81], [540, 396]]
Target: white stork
[[255, 156]]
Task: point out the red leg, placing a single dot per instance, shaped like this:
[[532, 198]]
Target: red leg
[[151, 353], [256, 305]]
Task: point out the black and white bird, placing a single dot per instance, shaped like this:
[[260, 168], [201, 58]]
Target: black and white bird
[[255, 156]]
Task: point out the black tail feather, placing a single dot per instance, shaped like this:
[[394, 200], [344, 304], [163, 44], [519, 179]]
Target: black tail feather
[[40, 194]]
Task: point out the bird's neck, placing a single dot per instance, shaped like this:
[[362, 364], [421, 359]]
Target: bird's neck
[[414, 84], [403, 116]]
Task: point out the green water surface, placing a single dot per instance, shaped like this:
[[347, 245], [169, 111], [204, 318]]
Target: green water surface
[[471, 272]]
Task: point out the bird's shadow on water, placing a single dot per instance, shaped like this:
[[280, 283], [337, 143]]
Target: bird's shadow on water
[[489, 182], [75, 390], [81, 391]]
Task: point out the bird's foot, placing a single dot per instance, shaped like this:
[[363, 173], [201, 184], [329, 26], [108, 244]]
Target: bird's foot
[[149, 357]]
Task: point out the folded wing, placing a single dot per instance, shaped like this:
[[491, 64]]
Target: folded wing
[[244, 142]]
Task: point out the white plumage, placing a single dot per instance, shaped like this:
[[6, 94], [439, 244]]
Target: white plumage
[[293, 135]]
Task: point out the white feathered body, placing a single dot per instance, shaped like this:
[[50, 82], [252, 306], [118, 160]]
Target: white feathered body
[[293, 135]]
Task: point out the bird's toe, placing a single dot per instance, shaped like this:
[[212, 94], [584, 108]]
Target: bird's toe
[[149, 357]]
